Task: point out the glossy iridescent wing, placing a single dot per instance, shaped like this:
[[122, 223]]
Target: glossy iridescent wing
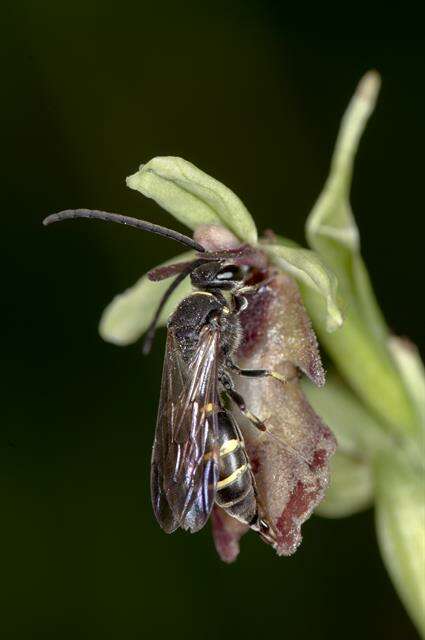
[[184, 467]]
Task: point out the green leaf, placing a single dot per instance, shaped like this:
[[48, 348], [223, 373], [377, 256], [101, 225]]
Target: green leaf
[[192, 196], [308, 268], [359, 438], [129, 314], [360, 348], [400, 521]]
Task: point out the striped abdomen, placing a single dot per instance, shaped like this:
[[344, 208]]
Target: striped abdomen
[[235, 488]]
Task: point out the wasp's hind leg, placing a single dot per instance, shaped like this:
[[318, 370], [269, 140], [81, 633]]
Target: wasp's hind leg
[[231, 393], [259, 373], [260, 522]]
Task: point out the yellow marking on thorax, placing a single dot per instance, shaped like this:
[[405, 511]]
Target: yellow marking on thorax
[[229, 447], [208, 408], [232, 478], [202, 293]]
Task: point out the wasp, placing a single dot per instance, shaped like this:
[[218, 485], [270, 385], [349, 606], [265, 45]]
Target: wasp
[[199, 457]]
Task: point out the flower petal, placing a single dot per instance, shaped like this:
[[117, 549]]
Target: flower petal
[[331, 229], [129, 314], [192, 196], [308, 268], [331, 220]]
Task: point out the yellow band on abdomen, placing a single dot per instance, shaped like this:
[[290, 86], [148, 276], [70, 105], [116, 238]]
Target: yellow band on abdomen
[[233, 476], [229, 446]]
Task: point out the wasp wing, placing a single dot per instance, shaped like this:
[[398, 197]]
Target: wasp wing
[[184, 467]]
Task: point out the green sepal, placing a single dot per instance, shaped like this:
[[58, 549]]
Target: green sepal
[[309, 270], [192, 196]]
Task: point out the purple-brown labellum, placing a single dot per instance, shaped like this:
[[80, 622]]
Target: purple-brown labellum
[[290, 461], [277, 310]]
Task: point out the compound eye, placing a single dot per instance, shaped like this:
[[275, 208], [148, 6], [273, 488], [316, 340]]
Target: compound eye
[[230, 273]]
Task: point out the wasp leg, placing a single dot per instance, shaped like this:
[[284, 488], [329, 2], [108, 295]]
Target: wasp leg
[[240, 402], [240, 303], [259, 373], [230, 392], [253, 288]]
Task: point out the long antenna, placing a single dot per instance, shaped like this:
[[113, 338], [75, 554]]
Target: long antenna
[[70, 214]]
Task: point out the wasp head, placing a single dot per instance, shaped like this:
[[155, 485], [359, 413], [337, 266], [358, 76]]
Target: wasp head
[[218, 274]]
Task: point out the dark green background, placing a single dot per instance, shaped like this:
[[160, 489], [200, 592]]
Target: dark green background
[[254, 97]]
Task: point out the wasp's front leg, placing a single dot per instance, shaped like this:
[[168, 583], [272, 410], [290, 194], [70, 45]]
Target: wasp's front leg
[[240, 303]]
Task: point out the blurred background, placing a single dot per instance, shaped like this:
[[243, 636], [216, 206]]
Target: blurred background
[[254, 97]]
